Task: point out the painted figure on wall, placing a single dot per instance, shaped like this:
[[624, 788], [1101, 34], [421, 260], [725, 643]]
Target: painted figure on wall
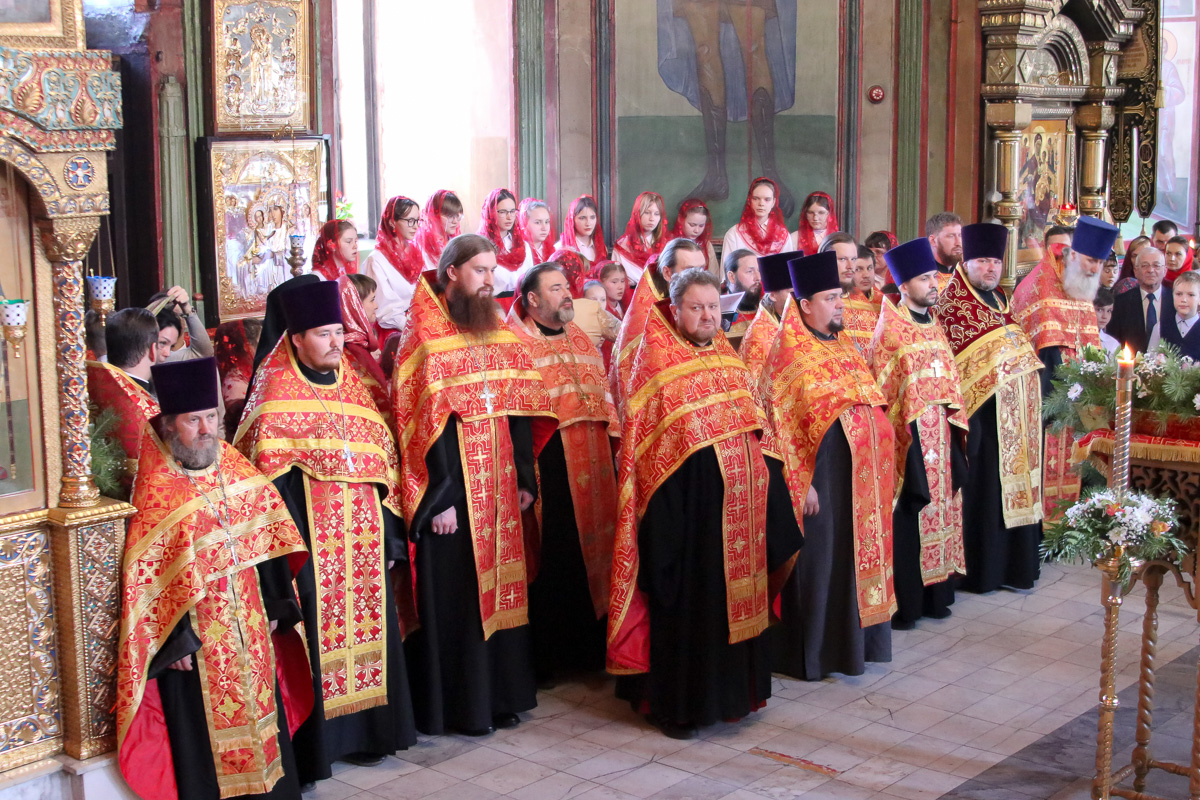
[[733, 60], [1040, 180], [1174, 94]]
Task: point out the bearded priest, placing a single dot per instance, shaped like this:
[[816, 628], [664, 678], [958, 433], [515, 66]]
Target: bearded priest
[[1054, 306], [569, 588], [776, 289], [311, 427], [464, 396], [700, 527], [827, 424], [211, 675], [1002, 497], [915, 368]]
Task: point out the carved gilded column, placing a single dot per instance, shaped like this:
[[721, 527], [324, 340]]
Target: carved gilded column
[[1093, 121], [1006, 121], [66, 241]]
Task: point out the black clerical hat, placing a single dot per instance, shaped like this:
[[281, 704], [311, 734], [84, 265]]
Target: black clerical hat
[[907, 261], [814, 274], [773, 270], [186, 386], [311, 306], [984, 240], [1094, 237]]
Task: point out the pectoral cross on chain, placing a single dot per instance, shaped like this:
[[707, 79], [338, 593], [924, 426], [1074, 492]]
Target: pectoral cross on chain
[[936, 366], [487, 396]]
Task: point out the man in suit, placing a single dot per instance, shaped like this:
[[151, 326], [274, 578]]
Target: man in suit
[[1180, 328], [1136, 315]]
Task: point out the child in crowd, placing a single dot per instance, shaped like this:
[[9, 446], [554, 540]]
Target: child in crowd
[[1180, 328], [1104, 308], [594, 290], [1110, 272]]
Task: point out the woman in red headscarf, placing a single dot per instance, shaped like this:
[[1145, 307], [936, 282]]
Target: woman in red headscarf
[[396, 263], [498, 224], [575, 269], [761, 230], [694, 221], [440, 223], [235, 365], [537, 229], [336, 252], [357, 293], [645, 234], [817, 221], [582, 232]]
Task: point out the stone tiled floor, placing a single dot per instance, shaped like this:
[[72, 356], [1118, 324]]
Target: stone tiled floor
[[960, 696]]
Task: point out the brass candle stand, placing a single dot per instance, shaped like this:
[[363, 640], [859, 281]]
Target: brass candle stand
[[1150, 574]]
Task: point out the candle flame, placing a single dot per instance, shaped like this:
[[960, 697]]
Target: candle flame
[[1126, 354]]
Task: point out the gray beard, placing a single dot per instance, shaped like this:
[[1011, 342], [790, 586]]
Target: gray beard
[[198, 456], [1078, 286]]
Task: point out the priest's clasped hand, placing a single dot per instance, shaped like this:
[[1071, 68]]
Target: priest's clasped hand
[[445, 522], [812, 506]]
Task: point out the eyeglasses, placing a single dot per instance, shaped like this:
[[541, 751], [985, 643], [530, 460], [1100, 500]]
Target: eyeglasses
[[410, 220], [506, 212], [453, 217]]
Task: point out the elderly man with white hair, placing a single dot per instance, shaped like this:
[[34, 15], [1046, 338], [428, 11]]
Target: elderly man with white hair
[[1137, 315]]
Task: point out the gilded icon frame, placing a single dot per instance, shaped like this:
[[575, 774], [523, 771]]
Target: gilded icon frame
[[63, 30], [1058, 184], [253, 57], [260, 191]]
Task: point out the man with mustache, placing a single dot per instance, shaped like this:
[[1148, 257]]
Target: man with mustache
[[1053, 304], [915, 368], [826, 423], [702, 525], [211, 676], [742, 275], [311, 427], [860, 315], [465, 393], [1002, 497], [944, 232], [568, 590]]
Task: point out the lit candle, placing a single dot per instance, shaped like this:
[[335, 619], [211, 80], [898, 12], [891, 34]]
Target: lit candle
[[1125, 362], [1118, 478]]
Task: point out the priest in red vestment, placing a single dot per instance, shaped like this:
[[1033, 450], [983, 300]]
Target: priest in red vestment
[[915, 368], [760, 333], [1053, 303], [701, 526], [577, 509], [464, 396], [211, 675], [311, 427], [122, 383], [676, 256], [1002, 395], [827, 424]]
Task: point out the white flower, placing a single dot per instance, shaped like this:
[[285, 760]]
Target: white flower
[[1076, 390], [1196, 402]]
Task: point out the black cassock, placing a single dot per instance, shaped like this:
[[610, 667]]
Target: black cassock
[[996, 555], [183, 698], [381, 730], [821, 632], [459, 680], [567, 636], [914, 598], [696, 676]]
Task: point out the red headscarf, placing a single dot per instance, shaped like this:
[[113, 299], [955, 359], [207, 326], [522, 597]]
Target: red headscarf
[[540, 254], [431, 237], [359, 331], [489, 228], [632, 246], [326, 261], [806, 239], [232, 349], [690, 205], [401, 254], [774, 238], [594, 275], [569, 241], [574, 266]]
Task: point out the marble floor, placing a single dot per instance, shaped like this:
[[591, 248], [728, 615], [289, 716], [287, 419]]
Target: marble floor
[[957, 713]]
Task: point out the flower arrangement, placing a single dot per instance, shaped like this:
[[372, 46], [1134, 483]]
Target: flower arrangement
[[1141, 526], [343, 208], [1166, 390]]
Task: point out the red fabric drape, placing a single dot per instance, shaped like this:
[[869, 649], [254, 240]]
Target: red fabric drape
[[540, 254], [773, 239], [489, 227], [574, 267], [431, 237], [806, 240], [569, 240], [325, 259], [632, 246], [358, 329], [401, 254]]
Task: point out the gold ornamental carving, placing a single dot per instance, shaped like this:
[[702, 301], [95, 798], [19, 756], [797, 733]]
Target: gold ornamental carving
[[68, 238], [1137, 119], [261, 74]]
